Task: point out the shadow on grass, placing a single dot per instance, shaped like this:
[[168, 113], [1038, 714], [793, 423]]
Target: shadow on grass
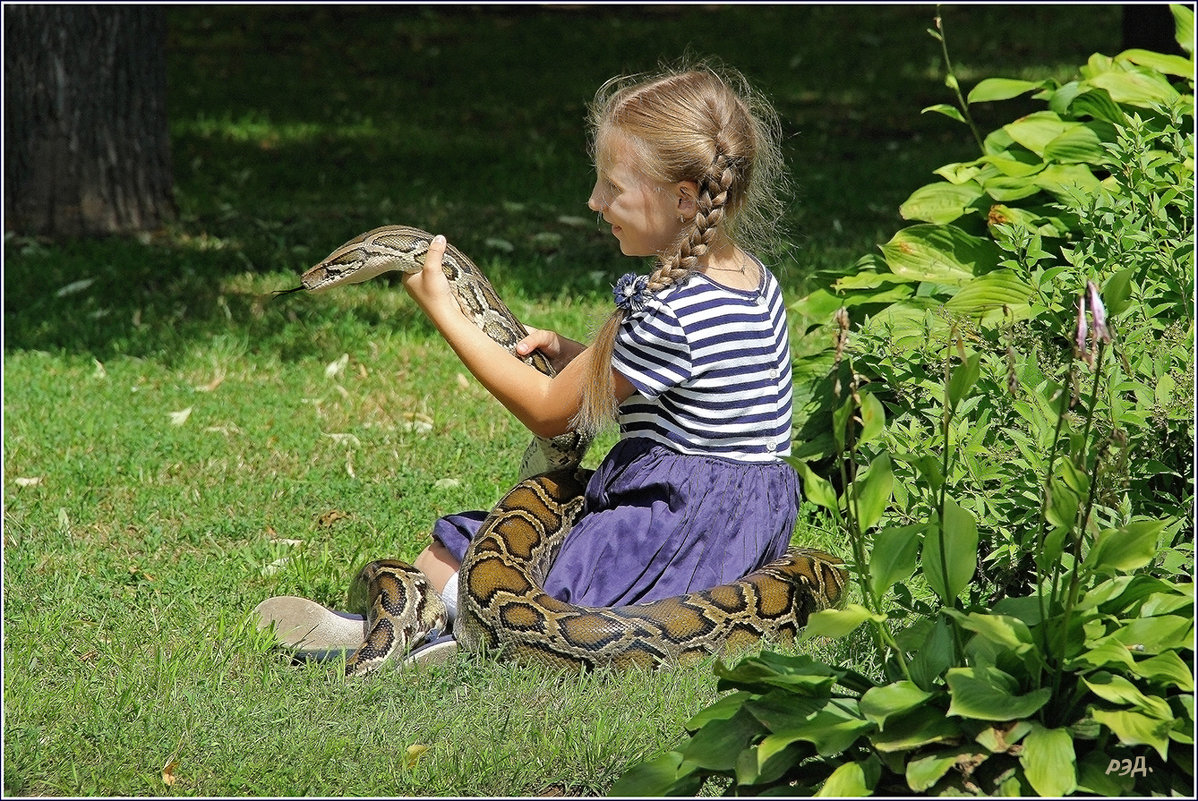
[[295, 128]]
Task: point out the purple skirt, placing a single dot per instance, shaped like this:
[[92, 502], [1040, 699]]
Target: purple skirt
[[658, 523]]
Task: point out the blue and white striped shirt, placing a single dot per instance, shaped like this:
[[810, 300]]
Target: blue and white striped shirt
[[711, 366]]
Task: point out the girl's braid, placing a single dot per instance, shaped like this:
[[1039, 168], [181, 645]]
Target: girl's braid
[[713, 197]]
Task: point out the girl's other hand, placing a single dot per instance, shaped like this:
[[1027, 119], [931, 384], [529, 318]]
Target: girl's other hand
[[558, 349]]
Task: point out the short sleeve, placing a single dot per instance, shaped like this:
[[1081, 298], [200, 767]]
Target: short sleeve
[[651, 349]]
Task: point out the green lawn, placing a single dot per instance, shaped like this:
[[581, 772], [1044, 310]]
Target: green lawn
[[179, 446]]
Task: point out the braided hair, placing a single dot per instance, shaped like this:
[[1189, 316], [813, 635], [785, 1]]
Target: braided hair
[[695, 124]]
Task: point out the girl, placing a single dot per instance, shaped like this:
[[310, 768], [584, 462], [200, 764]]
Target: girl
[[693, 363]]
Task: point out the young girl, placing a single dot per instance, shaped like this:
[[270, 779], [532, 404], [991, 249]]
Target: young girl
[[693, 364]]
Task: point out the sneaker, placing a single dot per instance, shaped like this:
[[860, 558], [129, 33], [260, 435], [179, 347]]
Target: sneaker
[[436, 650], [310, 631]]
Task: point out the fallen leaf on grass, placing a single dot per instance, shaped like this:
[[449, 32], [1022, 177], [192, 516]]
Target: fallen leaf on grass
[[74, 287], [275, 566], [214, 383], [335, 368], [29, 482], [463, 382], [447, 483], [413, 753], [330, 517], [416, 422], [180, 417], [346, 438], [168, 772]]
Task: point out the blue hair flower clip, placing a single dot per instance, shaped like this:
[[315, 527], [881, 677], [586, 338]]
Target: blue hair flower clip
[[631, 292]]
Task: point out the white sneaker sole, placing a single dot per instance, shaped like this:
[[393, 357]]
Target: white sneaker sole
[[312, 632], [309, 630]]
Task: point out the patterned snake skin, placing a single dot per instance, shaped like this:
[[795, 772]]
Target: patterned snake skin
[[502, 609]]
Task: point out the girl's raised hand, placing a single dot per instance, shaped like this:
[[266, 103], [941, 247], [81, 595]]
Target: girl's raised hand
[[429, 287]]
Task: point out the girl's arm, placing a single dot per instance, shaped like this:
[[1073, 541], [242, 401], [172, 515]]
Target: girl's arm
[[546, 406]]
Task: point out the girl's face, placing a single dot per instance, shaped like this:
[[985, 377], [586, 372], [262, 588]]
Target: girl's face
[[643, 213]]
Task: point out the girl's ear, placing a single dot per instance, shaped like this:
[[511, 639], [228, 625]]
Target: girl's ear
[[687, 192]]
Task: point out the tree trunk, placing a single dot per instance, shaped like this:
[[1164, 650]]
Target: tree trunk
[[86, 147]]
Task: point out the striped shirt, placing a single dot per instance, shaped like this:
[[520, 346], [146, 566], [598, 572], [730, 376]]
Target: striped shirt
[[711, 368]]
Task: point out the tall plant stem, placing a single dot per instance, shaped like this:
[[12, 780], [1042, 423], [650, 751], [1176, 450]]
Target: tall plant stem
[[883, 639], [1075, 568], [953, 84], [1043, 533]]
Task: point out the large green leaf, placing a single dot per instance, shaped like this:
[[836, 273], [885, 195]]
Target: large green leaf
[[873, 418], [1161, 62], [1119, 690], [656, 777], [963, 377], [1116, 293], [880, 703], [1125, 548], [925, 770], [1049, 761], [959, 532], [1153, 635], [893, 556], [1142, 88], [1036, 130], [816, 489], [952, 112], [852, 780], [941, 254], [984, 692], [831, 725], [1183, 22], [940, 203], [1166, 668], [934, 655], [717, 745], [1136, 728], [1006, 188], [1066, 180], [1081, 144], [1096, 103], [837, 623], [872, 491], [988, 292], [991, 89], [920, 726], [1004, 630]]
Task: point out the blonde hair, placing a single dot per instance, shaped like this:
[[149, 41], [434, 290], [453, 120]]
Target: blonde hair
[[704, 124]]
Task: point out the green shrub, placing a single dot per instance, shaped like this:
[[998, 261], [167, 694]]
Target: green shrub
[[995, 401], [1097, 186]]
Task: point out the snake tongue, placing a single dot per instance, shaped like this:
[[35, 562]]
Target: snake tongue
[[278, 292]]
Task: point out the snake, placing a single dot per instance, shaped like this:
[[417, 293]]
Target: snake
[[503, 609]]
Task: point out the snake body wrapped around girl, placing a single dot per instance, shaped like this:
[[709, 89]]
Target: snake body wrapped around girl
[[678, 545]]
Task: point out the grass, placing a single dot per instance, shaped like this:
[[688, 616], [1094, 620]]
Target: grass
[[177, 447]]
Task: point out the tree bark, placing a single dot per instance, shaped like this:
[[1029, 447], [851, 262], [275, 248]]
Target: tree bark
[[86, 147]]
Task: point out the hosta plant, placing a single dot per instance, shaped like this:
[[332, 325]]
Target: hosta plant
[[1082, 685], [1099, 186], [1004, 442]]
